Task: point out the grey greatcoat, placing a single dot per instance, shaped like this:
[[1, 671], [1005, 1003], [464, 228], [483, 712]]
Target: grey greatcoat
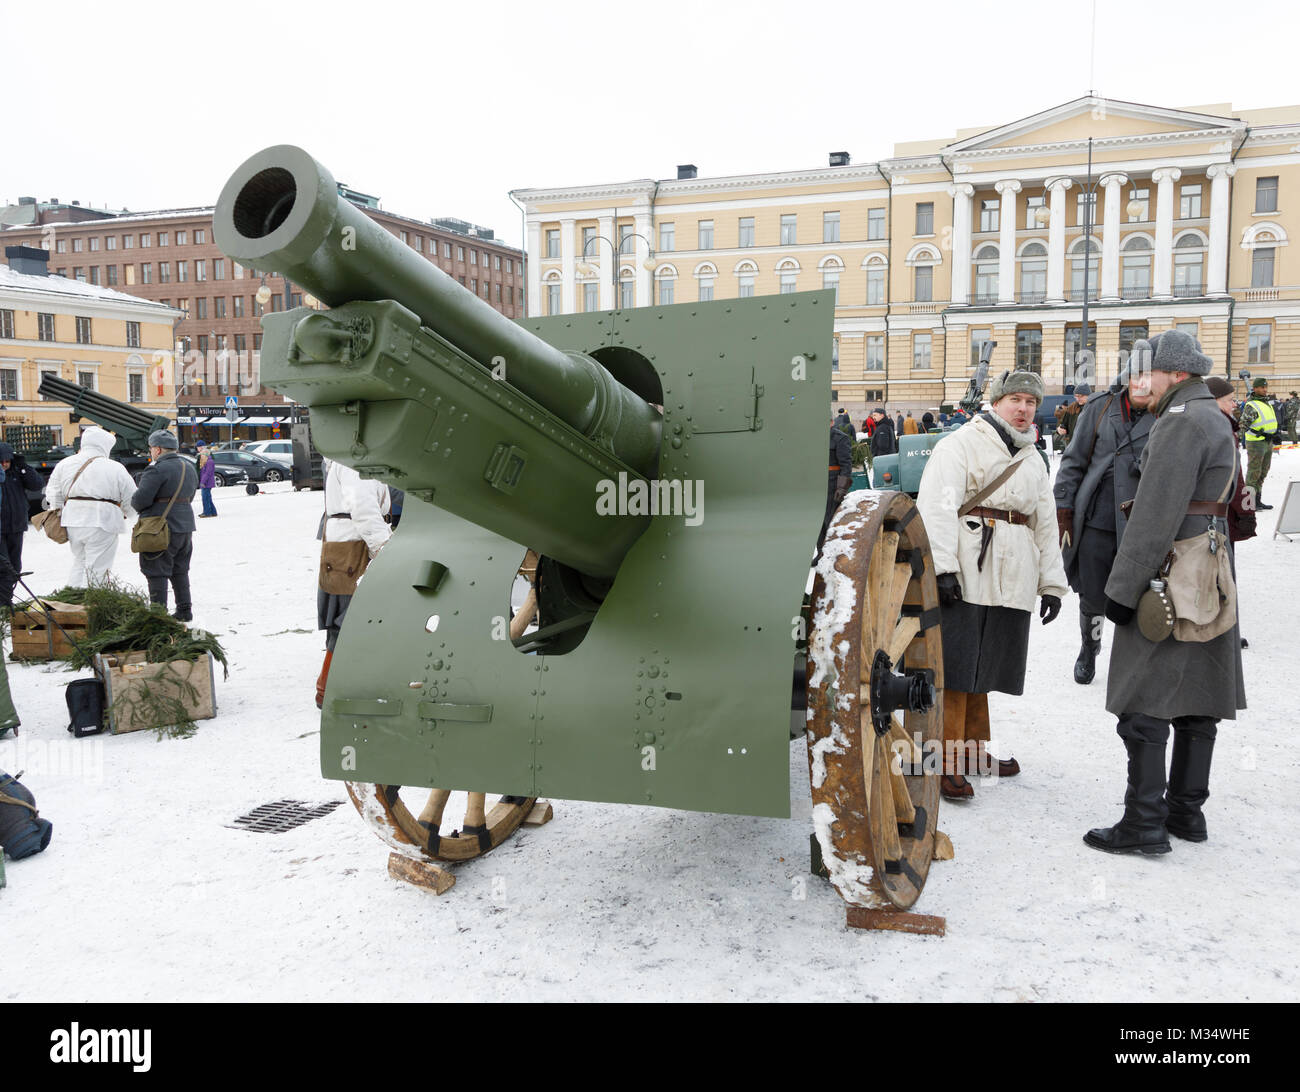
[[1189, 456], [1119, 442]]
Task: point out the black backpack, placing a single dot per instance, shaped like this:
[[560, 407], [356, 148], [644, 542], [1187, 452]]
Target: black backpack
[[22, 831], [85, 699]]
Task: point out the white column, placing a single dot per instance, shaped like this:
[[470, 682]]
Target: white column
[[1056, 239], [601, 255], [1007, 241], [1164, 180], [533, 248], [1110, 226], [1216, 277], [644, 281], [567, 264], [961, 193]]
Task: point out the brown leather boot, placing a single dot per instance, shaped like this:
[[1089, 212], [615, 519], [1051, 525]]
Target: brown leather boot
[[322, 679], [994, 767]]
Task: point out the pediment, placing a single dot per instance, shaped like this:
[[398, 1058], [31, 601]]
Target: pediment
[[1094, 117]]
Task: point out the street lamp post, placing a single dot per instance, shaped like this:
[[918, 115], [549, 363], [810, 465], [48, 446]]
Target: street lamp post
[[649, 264]]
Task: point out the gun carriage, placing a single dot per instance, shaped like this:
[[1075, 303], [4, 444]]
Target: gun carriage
[[657, 472]]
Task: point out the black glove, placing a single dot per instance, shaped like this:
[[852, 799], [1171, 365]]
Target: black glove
[[949, 589], [842, 484], [1118, 613], [1049, 606]]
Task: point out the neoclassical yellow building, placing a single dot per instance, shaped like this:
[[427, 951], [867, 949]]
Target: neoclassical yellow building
[[1184, 220]]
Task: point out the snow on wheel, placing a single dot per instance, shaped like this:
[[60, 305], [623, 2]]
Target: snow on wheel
[[460, 832], [875, 678]]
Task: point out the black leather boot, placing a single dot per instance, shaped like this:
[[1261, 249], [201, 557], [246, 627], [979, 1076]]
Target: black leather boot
[[1142, 830], [1085, 667], [1189, 784]]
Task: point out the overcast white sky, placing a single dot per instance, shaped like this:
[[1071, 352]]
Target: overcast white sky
[[440, 109]]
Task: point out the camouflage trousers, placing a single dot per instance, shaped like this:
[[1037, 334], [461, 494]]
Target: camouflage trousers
[[1290, 430], [1259, 454]]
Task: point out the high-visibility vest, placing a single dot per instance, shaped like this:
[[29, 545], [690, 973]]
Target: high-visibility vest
[[1265, 422]]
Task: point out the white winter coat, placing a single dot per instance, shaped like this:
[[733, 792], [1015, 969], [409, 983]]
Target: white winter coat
[[1023, 561], [365, 500], [103, 478]]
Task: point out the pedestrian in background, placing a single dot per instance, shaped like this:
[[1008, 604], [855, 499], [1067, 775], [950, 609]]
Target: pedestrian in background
[[16, 479], [92, 493], [838, 480], [986, 502], [1188, 469], [167, 489], [1291, 411], [207, 479], [1258, 426], [882, 436], [1098, 475], [354, 512]]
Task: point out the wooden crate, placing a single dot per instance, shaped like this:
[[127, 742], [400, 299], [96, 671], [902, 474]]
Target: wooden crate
[[126, 673], [35, 637]]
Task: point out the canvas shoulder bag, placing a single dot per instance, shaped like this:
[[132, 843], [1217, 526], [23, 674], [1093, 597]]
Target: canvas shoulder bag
[[341, 563], [151, 535], [51, 522]]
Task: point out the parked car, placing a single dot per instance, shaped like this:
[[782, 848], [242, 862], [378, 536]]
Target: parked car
[[259, 468], [225, 475], [279, 450]]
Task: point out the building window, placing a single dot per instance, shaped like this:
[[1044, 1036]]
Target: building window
[[94, 242], [1136, 269], [986, 274], [201, 307], [509, 266], [627, 293], [923, 284], [921, 352], [446, 250], [978, 336], [44, 327], [146, 240], [200, 236], [1032, 205], [110, 242], [875, 223], [1259, 350], [133, 335], [134, 387], [110, 272], [83, 331], [789, 228], [1266, 194], [218, 306], [1189, 266], [241, 343], [990, 214], [200, 270], [835, 354], [875, 285], [1189, 202], [666, 237], [1072, 339], [552, 245], [875, 352], [626, 239], [1192, 329], [1033, 273], [61, 247], [706, 289], [203, 343], [218, 269], [164, 272], [1261, 267], [77, 245], [9, 384], [925, 218], [473, 285], [1029, 350], [257, 342], [588, 238], [182, 271], [6, 324], [94, 274], [831, 279], [706, 235], [237, 306], [552, 299], [87, 380], [258, 309], [787, 280], [473, 256], [1136, 332], [666, 291], [146, 272], [162, 238], [180, 238], [745, 281], [1085, 206], [79, 274], [1085, 267], [128, 241], [746, 231], [830, 227]]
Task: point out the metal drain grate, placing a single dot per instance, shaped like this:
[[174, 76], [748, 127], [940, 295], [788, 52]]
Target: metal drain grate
[[281, 815]]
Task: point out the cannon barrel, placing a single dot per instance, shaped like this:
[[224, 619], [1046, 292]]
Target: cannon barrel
[[281, 211]]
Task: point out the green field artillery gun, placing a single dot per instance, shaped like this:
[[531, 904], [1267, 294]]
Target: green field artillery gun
[[659, 474]]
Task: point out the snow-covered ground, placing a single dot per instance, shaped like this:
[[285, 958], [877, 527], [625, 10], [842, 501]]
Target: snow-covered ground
[[146, 892]]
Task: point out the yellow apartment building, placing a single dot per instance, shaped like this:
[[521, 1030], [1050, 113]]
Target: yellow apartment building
[[1184, 220], [93, 336]]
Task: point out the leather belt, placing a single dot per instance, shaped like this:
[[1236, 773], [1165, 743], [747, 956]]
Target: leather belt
[[1017, 518], [1207, 508], [835, 469], [102, 500], [339, 515]]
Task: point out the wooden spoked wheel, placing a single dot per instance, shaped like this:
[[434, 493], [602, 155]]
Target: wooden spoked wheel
[[875, 678], [467, 829]]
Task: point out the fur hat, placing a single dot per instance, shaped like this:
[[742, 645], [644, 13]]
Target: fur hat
[[1017, 382], [1171, 351], [163, 439], [1082, 388]]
